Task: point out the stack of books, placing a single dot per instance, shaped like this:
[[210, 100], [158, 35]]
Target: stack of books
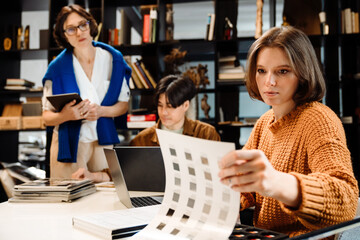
[[18, 84], [350, 17], [230, 70], [149, 25], [52, 190], [141, 121]]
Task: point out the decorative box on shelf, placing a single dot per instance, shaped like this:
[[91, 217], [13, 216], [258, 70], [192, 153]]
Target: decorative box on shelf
[[10, 123], [33, 122]]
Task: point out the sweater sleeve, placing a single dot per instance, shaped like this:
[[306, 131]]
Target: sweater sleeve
[[330, 191], [247, 200]]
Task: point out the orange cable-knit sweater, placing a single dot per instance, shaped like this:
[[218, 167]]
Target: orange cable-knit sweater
[[310, 144]]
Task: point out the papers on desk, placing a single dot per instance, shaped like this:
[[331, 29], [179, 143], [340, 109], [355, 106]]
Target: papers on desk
[[116, 224], [195, 206], [52, 190], [105, 186]]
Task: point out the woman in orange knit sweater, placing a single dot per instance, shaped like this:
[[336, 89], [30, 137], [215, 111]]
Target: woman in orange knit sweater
[[295, 168]]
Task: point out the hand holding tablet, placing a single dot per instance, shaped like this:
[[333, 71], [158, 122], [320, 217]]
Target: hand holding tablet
[[60, 100]]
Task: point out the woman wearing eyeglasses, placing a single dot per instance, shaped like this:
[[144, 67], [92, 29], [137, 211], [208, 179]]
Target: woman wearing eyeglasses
[[89, 68]]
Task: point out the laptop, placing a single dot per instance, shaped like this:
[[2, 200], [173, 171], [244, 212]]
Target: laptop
[[120, 184], [332, 230], [143, 168]]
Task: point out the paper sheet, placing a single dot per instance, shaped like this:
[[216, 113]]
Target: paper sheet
[[196, 205]]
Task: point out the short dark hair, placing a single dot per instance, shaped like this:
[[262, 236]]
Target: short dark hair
[[297, 46], [65, 11], [177, 90]]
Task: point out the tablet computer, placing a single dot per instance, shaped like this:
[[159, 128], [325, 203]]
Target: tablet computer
[[59, 100]]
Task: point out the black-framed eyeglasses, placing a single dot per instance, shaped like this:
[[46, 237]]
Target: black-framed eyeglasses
[[72, 30]]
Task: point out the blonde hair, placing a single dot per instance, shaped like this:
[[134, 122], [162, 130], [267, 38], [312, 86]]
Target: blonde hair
[[303, 61]]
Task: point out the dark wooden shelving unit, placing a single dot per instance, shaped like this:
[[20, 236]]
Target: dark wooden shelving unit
[[339, 55]]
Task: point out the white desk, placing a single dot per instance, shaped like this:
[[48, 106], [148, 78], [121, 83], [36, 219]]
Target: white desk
[[50, 221]]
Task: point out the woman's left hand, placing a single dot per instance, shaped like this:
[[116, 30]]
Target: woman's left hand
[[94, 112], [82, 173], [251, 171]]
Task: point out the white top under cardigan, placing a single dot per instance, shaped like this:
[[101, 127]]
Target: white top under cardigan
[[93, 90]]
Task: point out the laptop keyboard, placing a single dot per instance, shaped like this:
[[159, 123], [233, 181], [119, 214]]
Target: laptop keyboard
[[143, 201]]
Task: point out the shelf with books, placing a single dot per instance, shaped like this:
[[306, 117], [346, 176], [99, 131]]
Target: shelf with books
[[198, 49]]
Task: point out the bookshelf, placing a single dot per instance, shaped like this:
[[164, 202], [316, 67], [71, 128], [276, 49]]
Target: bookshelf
[[339, 54], [10, 67]]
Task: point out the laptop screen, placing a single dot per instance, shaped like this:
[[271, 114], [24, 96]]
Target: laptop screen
[[142, 167]]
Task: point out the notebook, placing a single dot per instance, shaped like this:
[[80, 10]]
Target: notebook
[[120, 184]]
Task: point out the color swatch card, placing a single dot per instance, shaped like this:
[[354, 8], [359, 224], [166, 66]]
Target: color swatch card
[[195, 205]]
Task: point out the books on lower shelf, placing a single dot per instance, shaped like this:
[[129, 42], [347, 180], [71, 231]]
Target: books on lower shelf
[[52, 190], [18, 84], [19, 81], [141, 121], [141, 76], [230, 69], [116, 224]]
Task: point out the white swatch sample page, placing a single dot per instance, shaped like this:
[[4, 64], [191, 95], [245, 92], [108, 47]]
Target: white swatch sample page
[[196, 205]]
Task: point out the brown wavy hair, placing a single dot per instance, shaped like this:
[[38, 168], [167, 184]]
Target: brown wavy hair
[[303, 61], [59, 34]]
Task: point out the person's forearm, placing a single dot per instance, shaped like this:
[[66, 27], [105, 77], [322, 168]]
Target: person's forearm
[[115, 110], [100, 177], [288, 190], [54, 118]]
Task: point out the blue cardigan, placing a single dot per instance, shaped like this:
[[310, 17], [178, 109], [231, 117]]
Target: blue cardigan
[[61, 73]]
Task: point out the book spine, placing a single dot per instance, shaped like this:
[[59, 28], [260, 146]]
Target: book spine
[[151, 79], [143, 82], [116, 36], [19, 81], [142, 124], [208, 27], [146, 28], [150, 28], [153, 19], [141, 118], [212, 27], [148, 83], [135, 77], [109, 36], [357, 30], [348, 20], [131, 83]]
